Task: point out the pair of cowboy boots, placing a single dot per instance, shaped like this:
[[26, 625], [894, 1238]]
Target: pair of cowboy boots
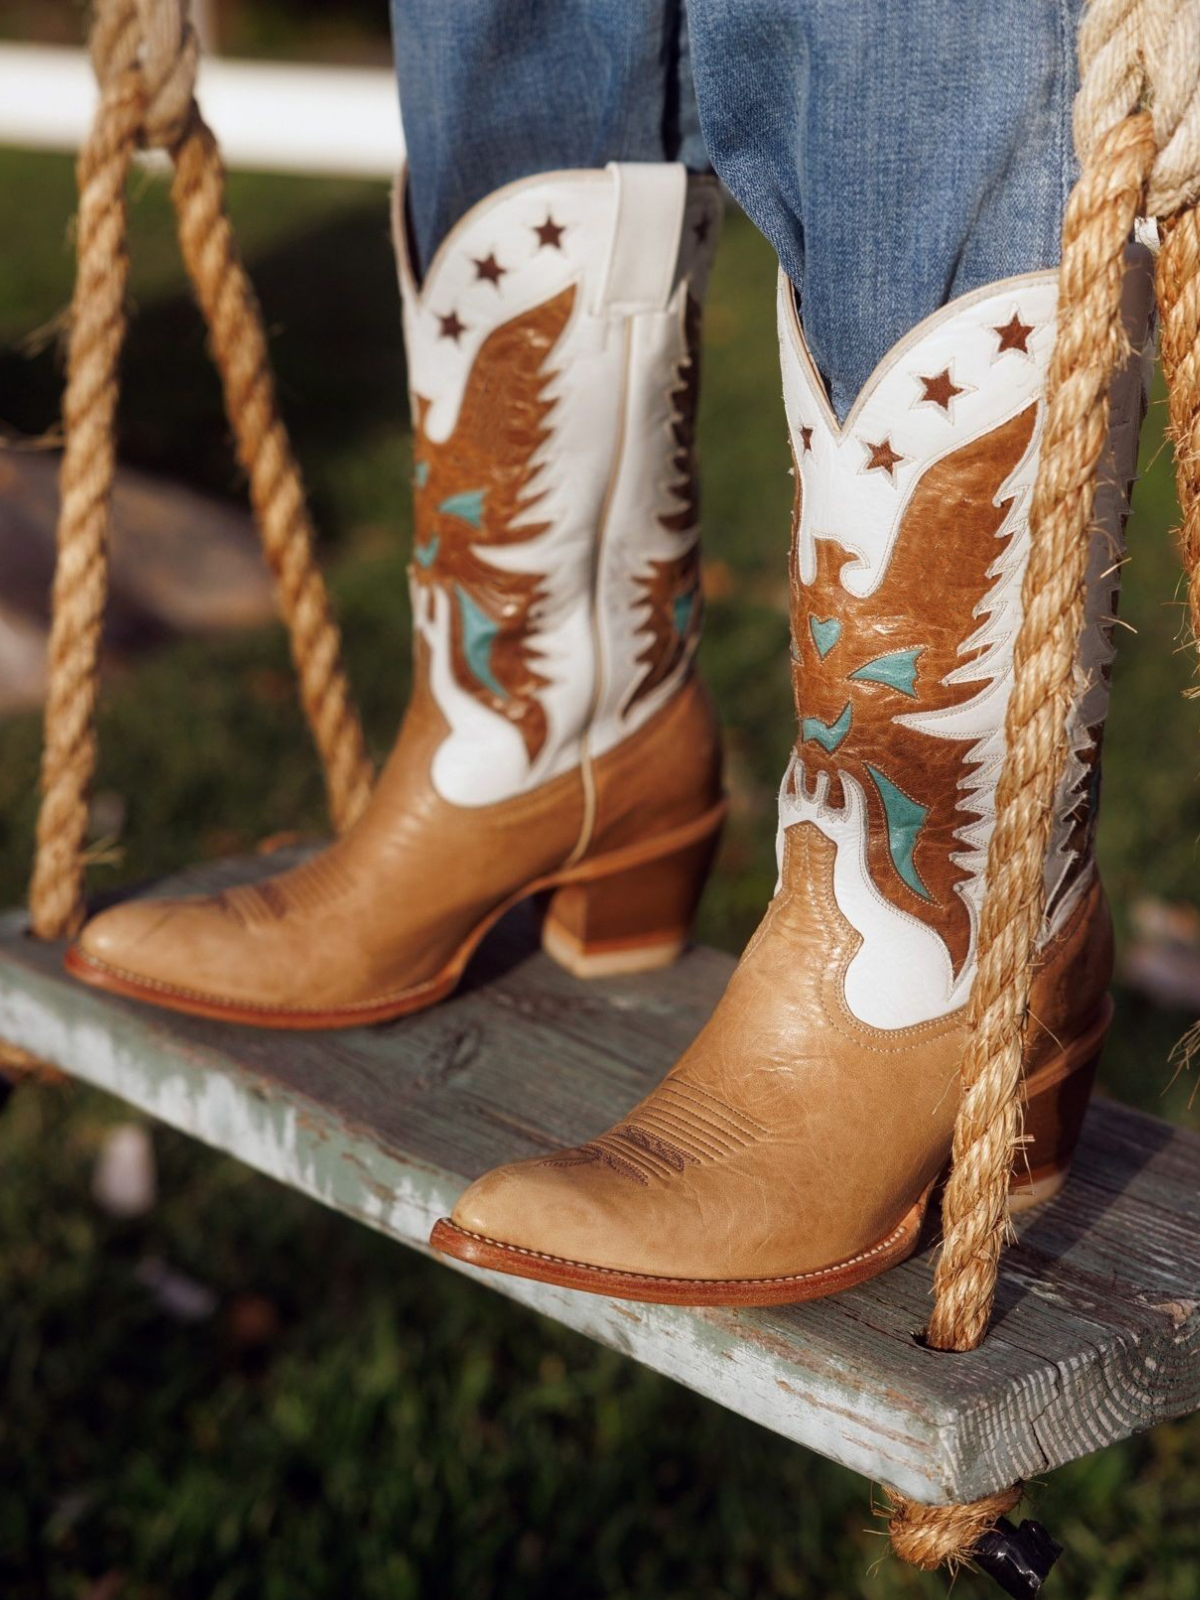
[[559, 743]]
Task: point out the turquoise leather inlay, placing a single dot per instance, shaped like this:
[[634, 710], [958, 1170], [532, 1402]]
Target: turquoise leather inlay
[[420, 473], [905, 818], [426, 554], [826, 632], [468, 506], [479, 633], [827, 734], [897, 670], [682, 609]]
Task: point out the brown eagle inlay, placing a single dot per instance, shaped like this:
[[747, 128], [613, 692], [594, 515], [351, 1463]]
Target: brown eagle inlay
[[860, 664], [670, 597], [478, 489]]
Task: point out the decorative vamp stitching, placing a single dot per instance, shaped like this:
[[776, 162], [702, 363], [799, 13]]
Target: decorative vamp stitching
[[682, 1126]]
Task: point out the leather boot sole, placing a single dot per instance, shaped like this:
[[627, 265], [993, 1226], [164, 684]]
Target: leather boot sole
[[678, 860], [1056, 1097], [451, 1240]]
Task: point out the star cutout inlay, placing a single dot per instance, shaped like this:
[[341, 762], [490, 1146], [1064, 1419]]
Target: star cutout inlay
[[1013, 335], [489, 270], [702, 229], [550, 233], [451, 327], [805, 440], [882, 458], [940, 389]]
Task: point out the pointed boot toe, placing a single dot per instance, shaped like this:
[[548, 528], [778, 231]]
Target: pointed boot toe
[[563, 1219], [259, 953], [123, 939], [174, 952], [535, 1208]]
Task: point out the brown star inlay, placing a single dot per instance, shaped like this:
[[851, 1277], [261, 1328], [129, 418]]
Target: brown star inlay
[[702, 229], [805, 440], [451, 327], [550, 233], [883, 458], [488, 270], [1013, 335], [940, 389]]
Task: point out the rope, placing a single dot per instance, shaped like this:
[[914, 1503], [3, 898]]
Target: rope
[[1129, 47], [934, 1536], [1132, 159], [276, 489], [1178, 284], [22, 1066], [1089, 345], [145, 56]]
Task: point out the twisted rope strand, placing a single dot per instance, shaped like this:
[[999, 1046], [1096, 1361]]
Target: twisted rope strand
[[1178, 284], [1125, 45], [1089, 345], [239, 349], [1178, 287], [1171, 51], [169, 54], [145, 55], [97, 333]]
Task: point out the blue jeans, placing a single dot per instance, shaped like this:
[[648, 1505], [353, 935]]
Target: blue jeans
[[896, 153]]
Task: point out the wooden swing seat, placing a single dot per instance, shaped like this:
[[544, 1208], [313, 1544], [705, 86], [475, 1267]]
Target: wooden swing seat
[[1097, 1327]]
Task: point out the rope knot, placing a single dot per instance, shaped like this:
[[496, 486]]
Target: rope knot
[[1135, 53], [155, 41], [932, 1536]]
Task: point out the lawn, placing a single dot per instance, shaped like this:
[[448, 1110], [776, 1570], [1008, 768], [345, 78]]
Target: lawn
[[351, 1420]]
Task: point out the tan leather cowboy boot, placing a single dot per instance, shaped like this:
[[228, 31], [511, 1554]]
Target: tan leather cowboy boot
[[558, 739], [792, 1151]]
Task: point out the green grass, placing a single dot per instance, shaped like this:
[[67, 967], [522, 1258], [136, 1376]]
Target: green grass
[[397, 1432]]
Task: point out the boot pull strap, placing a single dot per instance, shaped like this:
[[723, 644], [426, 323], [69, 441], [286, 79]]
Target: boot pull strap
[[643, 250]]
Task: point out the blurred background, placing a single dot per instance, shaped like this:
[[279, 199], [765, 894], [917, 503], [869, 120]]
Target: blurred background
[[213, 1388]]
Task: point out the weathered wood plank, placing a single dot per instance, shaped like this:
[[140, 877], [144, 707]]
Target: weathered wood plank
[[1098, 1320]]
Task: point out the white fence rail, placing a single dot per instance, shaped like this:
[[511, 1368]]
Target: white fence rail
[[268, 116]]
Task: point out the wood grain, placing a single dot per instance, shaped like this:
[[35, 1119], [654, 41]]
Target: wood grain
[[1097, 1330]]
